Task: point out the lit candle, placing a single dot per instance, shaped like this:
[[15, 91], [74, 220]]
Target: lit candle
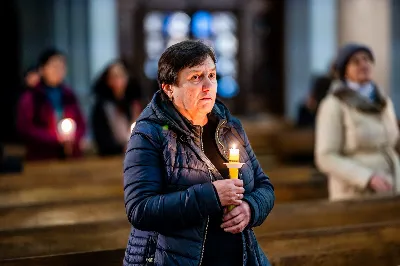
[[233, 171], [233, 155], [233, 158], [66, 129]]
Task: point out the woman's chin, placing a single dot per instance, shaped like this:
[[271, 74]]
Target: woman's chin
[[206, 105]]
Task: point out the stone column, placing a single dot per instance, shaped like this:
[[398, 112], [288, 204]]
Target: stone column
[[369, 22], [395, 80], [310, 46], [103, 34]]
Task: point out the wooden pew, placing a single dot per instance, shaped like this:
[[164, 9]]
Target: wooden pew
[[62, 213], [51, 194], [329, 246], [312, 247], [262, 130], [63, 239], [91, 170], [109, 228], [294, 144], [298, 183], [284, 192], [382, 255], [94, 179], [101, 257], [306, 215], [320, 214]]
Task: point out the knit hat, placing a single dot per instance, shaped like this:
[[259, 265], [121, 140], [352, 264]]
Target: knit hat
[[47, 54], [348, 51]]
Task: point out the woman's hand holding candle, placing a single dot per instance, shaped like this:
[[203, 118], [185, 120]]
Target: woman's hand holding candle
[[230, 191], [235, 221]]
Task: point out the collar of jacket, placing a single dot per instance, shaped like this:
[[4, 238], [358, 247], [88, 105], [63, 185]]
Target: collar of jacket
[[161, 111], [40, 89], [166, 114], [354, 99]]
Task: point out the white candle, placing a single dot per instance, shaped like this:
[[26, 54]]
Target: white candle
[[233, 154]]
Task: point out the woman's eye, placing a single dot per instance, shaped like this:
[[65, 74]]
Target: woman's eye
[[195, 78]]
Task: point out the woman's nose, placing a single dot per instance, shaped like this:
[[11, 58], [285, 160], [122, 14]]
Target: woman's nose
[[207, 84]]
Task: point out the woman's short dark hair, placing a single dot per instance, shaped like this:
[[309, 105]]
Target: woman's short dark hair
[[184, 54]]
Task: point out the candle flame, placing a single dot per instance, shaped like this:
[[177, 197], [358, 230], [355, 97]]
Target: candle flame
[[66, 125], [233, 146]]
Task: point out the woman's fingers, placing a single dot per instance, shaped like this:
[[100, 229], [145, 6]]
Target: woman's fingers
[[236, 228], [233, 221]]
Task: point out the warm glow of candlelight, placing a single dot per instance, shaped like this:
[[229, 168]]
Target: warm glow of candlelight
[[233, 154], [233, 158], [233, 172], [66, 127]]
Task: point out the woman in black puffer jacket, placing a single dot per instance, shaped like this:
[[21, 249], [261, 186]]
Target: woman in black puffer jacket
[[177, 188]]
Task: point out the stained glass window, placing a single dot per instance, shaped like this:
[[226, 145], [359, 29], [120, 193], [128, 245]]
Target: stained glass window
[[218, 29]]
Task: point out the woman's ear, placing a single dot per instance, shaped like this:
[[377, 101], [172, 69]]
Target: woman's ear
[[167, 88]]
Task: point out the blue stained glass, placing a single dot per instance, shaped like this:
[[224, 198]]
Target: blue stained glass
[[227, 87], [166, 23], [201, 24]]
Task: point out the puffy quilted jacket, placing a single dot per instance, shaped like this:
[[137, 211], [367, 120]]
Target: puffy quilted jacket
[[168, 191]]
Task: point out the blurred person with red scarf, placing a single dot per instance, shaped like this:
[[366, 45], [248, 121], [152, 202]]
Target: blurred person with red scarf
[[41, 109]]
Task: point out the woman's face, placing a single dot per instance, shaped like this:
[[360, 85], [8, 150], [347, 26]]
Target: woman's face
[[54, 71], [117, 80], [32, 78], [359, 68], [196, 90]]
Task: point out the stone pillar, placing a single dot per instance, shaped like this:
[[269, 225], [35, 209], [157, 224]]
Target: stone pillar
[[103, 34], [395, 80], [368, 22], [310, 46], [70, 31]]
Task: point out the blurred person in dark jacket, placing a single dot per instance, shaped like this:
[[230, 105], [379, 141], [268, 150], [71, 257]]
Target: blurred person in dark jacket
[[117, 105], [177, 188], [320, 86], [42, 108]]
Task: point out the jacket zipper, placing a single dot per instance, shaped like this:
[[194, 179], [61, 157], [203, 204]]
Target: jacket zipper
[[208, 217], [224, 155]]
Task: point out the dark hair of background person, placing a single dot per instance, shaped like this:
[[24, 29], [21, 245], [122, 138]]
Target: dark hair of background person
[[47, 54], [102, 132], [103, 92]]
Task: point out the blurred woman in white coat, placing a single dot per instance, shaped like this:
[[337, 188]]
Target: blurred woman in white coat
[[357, 131]]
